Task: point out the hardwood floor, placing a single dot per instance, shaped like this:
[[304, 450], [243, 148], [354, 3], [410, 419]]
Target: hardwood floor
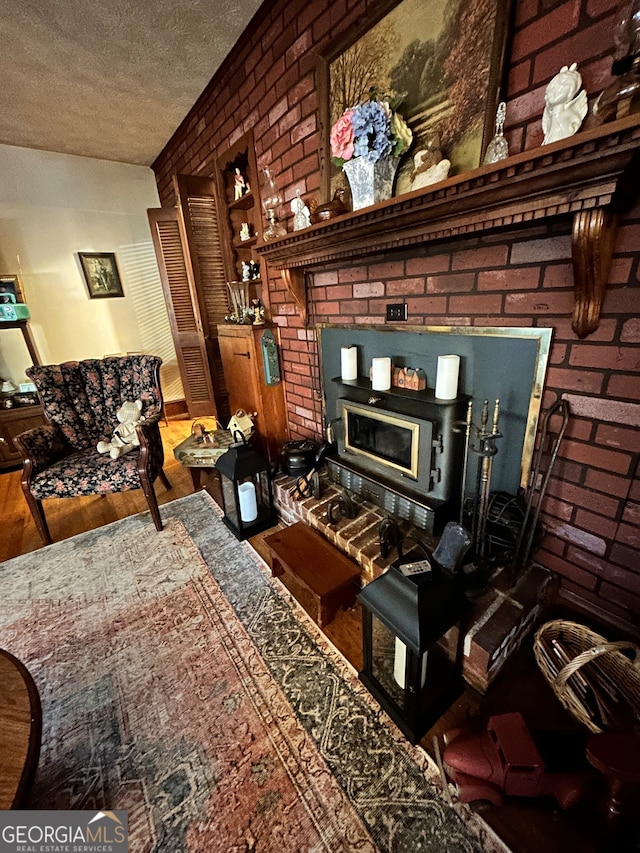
[[526, 826], [68, 516]]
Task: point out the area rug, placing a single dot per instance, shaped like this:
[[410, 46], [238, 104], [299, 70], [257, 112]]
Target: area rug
[[180, 682]]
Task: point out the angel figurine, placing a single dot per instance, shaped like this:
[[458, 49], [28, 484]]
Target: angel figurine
[[301, 216], [566, 105]]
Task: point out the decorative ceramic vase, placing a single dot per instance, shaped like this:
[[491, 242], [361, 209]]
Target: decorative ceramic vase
[[370, 182]]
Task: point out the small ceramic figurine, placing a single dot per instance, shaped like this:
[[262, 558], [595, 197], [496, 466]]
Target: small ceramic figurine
[[246, 270], [240, 186], [245, 234], [566, 105], [429, 166], [254, 267], [257, 311], [301, 215]]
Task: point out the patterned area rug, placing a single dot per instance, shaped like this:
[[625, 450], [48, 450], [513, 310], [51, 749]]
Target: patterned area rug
[[180, 682]]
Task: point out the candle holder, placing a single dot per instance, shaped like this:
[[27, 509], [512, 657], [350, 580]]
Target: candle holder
[[247, 493], [412, 663]]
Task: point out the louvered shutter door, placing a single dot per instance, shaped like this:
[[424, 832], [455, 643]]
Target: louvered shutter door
[[197, 202], [184, 312]]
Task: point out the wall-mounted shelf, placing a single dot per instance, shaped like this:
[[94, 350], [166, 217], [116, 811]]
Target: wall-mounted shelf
[[236, 212], [426, 396], [592, 177]]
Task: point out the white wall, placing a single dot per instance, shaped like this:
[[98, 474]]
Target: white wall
[[53, 206]]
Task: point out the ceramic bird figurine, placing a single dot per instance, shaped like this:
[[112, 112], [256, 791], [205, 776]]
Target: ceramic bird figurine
[[335, 207]]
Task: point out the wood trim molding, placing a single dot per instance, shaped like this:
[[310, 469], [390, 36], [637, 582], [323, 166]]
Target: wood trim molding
[[577, 177]]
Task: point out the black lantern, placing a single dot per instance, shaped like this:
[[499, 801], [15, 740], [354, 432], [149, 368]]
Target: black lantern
[[412, 664], [247, 493]]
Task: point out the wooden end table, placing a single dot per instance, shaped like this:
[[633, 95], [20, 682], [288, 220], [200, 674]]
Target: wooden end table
[[20, 731], [199, 456]]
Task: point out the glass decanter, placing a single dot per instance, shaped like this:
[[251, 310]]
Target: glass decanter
[[498, 149]]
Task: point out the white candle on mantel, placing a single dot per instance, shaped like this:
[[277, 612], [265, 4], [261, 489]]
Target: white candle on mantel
[[447, 377], [349, 363], [248, 502], [381, 374]]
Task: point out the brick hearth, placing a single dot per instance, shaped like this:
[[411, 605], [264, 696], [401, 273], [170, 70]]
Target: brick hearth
[[500, 616]]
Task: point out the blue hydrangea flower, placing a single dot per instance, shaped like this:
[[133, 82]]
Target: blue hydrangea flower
[[372, 131]]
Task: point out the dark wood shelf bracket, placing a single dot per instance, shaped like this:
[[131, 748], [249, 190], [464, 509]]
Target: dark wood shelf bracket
[[593, 239]]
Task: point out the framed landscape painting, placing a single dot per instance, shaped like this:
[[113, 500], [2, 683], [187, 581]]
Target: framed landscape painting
[[442, 60], [101, 274]]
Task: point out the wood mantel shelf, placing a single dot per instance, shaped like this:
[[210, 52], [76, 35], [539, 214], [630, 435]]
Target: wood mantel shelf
[[590, 176]]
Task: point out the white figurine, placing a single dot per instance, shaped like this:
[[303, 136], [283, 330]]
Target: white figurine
[[566, 105], [301, 215]]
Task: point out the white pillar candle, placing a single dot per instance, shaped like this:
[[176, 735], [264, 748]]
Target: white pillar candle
[[381, 374], [349, 363], [447, 377], [400, 664], [248, 502]]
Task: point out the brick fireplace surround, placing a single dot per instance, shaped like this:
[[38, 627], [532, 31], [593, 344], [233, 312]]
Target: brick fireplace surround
[[519, 277]]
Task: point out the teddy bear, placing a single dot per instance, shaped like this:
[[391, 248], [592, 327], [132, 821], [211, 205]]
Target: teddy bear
[[124, 437]]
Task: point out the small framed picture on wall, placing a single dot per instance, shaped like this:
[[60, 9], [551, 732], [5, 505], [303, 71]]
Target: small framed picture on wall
[[101, 274], [11, 289]]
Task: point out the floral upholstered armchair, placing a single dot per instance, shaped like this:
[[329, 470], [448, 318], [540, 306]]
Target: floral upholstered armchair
[[80, 401]]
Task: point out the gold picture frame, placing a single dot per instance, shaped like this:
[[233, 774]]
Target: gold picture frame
[[412, 47], [11, 285]]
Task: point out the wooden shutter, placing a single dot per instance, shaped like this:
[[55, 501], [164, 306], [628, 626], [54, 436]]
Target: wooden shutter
[[201, 223], [184, 311]]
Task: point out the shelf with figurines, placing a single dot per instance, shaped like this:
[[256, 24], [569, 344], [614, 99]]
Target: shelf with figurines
[[244, 202], [246, 236]]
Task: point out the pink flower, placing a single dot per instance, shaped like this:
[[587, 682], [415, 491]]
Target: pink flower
[[342, 137]]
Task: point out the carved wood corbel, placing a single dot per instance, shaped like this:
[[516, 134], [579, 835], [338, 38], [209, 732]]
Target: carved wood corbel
[[293, 278], [593, 238]]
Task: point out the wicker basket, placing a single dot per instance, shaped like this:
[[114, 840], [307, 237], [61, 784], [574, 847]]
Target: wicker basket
[[592, 678]]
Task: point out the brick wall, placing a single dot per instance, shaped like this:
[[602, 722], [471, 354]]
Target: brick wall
[[516, 278]]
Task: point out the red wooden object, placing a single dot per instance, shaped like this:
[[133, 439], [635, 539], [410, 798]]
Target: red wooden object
[[505, 760]]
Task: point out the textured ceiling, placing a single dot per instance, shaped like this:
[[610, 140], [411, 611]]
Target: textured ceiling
[[110, 79]]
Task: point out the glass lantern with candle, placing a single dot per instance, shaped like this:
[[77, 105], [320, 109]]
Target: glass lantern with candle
[[247, 493], [412, 634]]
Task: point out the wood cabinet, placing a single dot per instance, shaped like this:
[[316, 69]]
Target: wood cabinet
[[12, 423], [252, 382], [17, 419], [241, 214]]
